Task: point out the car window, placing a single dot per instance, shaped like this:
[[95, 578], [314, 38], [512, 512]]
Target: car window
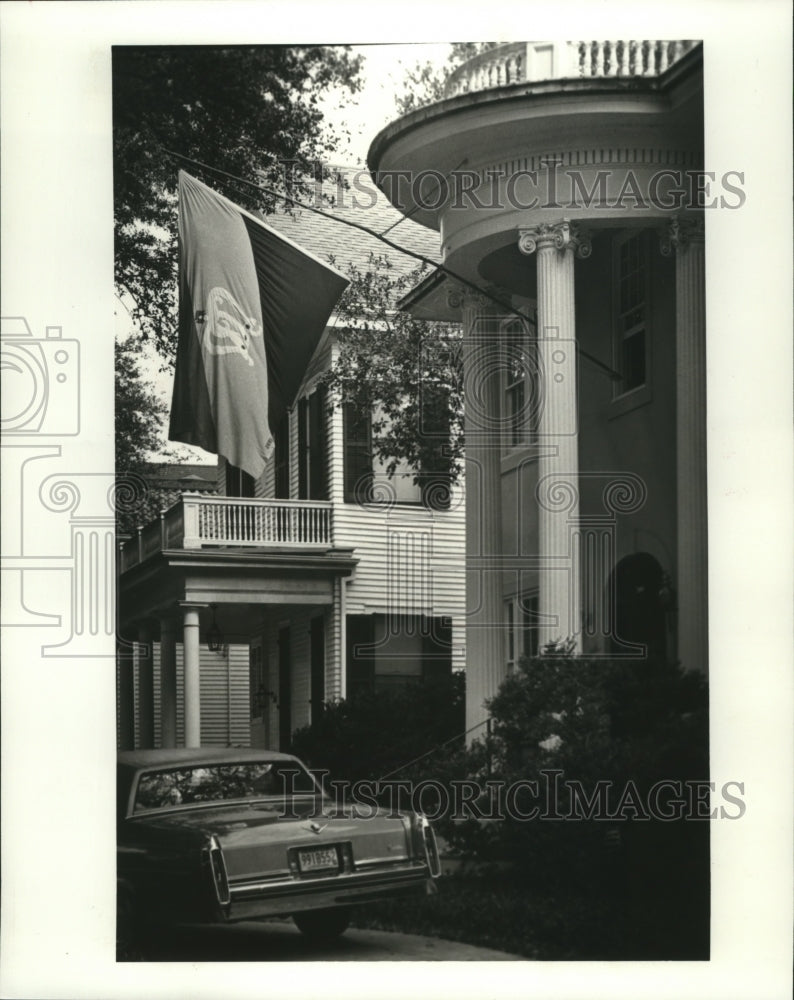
[[220, 783]]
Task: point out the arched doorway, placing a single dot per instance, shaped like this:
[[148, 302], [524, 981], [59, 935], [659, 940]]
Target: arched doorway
[[637, 611]]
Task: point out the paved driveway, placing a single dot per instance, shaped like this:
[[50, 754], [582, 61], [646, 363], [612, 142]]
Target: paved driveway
[[280, 941]]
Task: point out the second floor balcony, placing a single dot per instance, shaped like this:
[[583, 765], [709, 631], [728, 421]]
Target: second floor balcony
[[201, 521], [533, 62]]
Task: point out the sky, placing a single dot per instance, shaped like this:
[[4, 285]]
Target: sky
[[384, 70], [359, 118]]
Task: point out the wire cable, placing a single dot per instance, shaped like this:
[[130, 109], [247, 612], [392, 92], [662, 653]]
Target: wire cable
[[273, 193]]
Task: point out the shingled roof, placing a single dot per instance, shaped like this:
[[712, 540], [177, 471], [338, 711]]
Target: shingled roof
[[330, 238]]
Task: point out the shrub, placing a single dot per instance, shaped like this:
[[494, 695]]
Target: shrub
[[561, 719], [378, 732]]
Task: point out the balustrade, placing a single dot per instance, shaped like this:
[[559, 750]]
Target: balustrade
[[532, 62], [200, 521]]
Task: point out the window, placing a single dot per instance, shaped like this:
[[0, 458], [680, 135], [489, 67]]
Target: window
[[522, 387], [238, 483], [386, 651], [631, 334], [313, 446], [366, 477], [358, 455], [281, 459], [521, 623]]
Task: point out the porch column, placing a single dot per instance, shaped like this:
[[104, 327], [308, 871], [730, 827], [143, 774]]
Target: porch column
[[559, 596], [192, 688], [145, 687], [483, 363], [685, 238], [168, 631]]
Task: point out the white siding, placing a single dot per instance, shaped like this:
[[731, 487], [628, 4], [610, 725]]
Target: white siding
[[224, 697]]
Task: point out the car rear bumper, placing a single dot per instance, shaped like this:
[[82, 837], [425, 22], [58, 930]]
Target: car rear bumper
[[252, 900]]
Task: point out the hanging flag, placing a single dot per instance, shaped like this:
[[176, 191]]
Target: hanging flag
[[252, 308]]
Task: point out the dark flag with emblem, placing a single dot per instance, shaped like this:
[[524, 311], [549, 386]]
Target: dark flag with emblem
[[252, 308]]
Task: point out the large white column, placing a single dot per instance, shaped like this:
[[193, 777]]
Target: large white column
[[168, 630], [483, 363], [559, 592], [192, 686], [145, 687], [685, 239]]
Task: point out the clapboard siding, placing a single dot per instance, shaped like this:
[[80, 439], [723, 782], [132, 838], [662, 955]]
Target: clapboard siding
[[225, 696]]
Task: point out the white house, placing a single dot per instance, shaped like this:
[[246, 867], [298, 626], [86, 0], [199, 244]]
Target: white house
[[572, 208], [321, 578]]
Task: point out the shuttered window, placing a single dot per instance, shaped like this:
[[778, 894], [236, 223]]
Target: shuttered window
[[357, 455], [238, 483], [384, 651], [281, 459], [313, 446]]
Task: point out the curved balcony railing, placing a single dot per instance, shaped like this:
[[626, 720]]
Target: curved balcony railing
[[532, 62], [198, 521]]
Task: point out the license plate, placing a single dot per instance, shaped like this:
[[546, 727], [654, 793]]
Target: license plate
[[318, 859]]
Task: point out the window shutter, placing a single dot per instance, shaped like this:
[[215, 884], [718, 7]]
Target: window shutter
[[434, 476], [360, 654], [437, 648], [318, 445], [281, 459], [303, 449]]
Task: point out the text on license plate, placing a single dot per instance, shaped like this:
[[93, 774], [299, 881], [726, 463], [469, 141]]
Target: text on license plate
[[318, 859]]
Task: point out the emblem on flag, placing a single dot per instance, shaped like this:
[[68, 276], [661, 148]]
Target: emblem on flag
[[227, 328]]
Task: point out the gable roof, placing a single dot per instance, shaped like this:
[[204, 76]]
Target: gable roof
[[361, 202]]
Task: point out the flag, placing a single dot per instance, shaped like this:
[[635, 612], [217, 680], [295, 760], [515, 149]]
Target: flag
[[252, 308]]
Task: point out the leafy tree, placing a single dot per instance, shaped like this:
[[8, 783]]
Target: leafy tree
[[426, 82], [408, 372], [244, 110], [139, 434]]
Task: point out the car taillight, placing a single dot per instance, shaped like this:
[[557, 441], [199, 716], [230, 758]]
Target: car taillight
[[218, 869], [430, 845]]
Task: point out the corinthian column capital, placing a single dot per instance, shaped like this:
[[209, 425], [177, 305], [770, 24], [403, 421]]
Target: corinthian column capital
[[556, 235], [681, 232]]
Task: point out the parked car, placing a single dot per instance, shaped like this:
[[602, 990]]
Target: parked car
[[221, 835]]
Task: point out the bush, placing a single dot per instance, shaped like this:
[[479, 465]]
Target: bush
[[379, 732], [560, 720]]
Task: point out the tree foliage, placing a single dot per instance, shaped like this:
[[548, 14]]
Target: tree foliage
[[426, 82], [243, 110], [139, 434], [408, 372]]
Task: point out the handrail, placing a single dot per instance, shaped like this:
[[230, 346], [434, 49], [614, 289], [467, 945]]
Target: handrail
[[532, 62], [198, 520]]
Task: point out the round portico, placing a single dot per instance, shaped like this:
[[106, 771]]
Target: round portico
[[574, 202]]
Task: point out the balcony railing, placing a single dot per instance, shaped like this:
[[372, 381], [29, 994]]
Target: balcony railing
[[199, 521], [532, 62]]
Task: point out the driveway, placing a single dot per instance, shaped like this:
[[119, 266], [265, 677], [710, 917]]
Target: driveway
[[280, 941]]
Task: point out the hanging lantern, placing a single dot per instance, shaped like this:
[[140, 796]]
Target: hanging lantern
[[214, 635]]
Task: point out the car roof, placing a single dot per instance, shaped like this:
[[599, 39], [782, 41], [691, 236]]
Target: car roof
[[197, 755]]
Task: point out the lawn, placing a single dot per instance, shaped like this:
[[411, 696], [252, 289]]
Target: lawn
[[495, 909]]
